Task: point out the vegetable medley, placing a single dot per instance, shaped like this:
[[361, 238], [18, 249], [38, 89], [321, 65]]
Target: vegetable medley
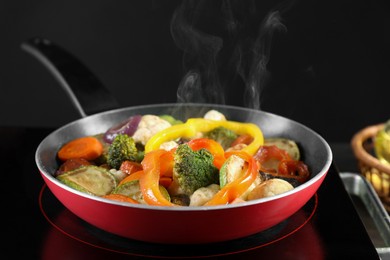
[[159, 160]]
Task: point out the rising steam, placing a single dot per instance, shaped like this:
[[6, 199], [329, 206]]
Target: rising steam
[[258, 74], [223, 39], [200, 53]]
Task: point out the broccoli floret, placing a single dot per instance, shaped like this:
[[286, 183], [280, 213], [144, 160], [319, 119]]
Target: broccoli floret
[[193, 169], [222, 135], [122, 148]]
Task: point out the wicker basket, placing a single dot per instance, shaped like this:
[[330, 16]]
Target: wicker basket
[[377, 173]]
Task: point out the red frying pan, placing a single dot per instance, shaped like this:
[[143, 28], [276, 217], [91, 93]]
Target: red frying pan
[[161, 224]]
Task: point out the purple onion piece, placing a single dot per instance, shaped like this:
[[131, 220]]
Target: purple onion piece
[[128, 126]]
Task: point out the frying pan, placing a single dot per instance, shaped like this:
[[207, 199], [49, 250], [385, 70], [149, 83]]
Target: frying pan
[[159, 224]]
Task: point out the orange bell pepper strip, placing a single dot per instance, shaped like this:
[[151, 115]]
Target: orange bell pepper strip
[[149, 181], [212, 146], [236, 188], [164, 180], [132, 177], [166, 163]]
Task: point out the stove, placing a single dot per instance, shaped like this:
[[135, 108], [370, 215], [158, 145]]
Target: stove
[[40, 227]]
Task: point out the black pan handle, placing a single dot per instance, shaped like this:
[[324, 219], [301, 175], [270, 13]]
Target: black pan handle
[[85, 90]]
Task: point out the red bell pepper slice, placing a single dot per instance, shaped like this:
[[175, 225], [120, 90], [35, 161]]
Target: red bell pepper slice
[[242, 139], [294, 169], [286, 166], [268, 152], [130, 167]]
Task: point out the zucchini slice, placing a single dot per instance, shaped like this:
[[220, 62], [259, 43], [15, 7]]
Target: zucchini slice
[[90, 179], [231, 170], [130, 189]]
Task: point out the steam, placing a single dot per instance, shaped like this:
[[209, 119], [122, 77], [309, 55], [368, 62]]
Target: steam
[[259, 75], [190, 89], [209, 31], [200, 54]]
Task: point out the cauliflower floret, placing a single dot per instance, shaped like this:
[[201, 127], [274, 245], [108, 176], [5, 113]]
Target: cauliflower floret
[[255, 184], [204, 194], [167, 146], [149, 126], [214, 115], [270, 188]]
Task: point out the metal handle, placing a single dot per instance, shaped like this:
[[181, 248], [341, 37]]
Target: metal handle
[[85, 90]]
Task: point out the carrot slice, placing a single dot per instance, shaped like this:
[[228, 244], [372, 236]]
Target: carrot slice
[[120, 197], [72, 164], [88, 148]]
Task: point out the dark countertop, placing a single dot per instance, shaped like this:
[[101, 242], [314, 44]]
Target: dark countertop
[[29, 234], [343, 157]]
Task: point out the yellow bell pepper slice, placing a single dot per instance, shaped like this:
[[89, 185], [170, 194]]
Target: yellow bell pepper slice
[[194, 125]]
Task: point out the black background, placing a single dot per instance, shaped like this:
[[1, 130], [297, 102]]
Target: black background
[[329, 69]]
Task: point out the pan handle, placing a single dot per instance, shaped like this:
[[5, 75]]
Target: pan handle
[[85, 90]]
